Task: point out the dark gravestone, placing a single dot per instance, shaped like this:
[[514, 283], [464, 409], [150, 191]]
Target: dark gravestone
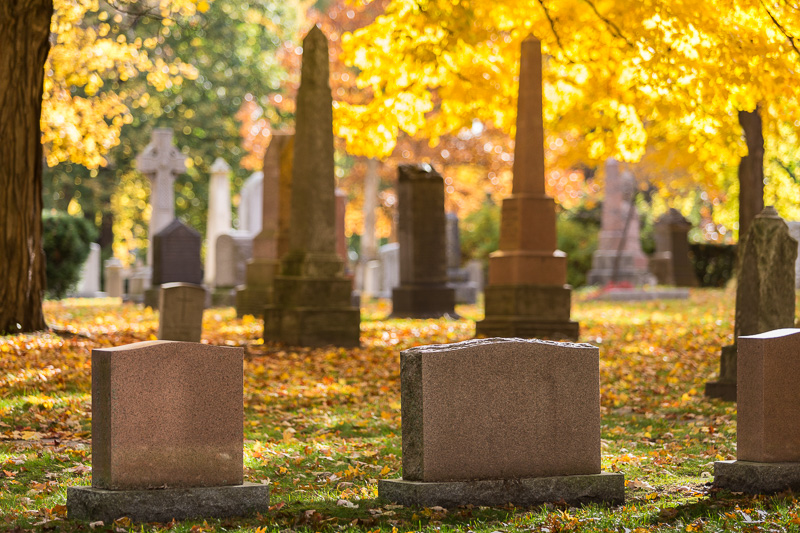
[[765, 296], [423, 290], [671, 264], [176, 259]]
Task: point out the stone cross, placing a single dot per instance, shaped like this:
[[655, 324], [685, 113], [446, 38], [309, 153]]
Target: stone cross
[[161, 162], [219, 213]]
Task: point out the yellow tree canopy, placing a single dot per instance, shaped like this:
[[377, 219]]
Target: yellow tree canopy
[[622, 78]]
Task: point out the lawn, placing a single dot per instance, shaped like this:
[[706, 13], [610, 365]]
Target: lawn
[[323, 425]]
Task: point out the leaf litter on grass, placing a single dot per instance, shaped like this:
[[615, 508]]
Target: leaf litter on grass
[[323, 425]]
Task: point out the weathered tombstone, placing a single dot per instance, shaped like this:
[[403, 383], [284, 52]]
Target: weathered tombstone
[[670, 263], [114, 281], [176, 258], [458, 278], [765, 297], [139, 282], [619, 257], [250, 203], [233, 250], [389, 257], [423, 290], [161, 162], [219, 214], [527, 294], [768, 416], [167, 438], [475, 269], [272, 242], [89, 283], [311, 303], [498, 421], [794, 231], [180, 312]]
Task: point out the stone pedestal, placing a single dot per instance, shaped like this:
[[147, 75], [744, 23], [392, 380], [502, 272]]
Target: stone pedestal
[[114, 281], [423, 290], [724, 387], [670, 263], [311, 303], [528, 269]]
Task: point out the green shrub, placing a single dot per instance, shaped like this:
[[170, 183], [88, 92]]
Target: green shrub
[[714, 264], [66, 241]]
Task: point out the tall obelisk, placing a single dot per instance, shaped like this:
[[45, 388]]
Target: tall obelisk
[[527, 295]]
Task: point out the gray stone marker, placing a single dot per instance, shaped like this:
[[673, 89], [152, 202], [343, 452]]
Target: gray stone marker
[[498, 421], [765, 294], [389, 269], [114, 281], [167, 438], [768, 416], [311, 304], [423, 290], [219, 214], [89, 283], [180, 316], [176, 259], [670, 263], [233, 251], [619, 256], [458, 278], [272, 242]]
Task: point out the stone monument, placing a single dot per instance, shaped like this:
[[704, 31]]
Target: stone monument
[[219, 214], [768, 416], [167, 438], [670, 263], [498, 421], [114, 281], [180, 312], [89, 282], [619, 257], [527, 295], [458, 278], [272, 242], [423, 290], [161, 162], [389, 269], [765, 298], [234, 250], [250, 206], [176, 258], [311, 302]]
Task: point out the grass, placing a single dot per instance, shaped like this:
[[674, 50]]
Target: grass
[[323, 425]]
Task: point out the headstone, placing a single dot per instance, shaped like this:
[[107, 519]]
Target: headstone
[[251, 203], [167, 438], [311, 303], [670, 263], [423, 290], [139, 282], [794, 231], [499, 421], [114, 281], [180, 312], [272, 242], [233, 250], [619, 257], [367, 271], [475, 269], [89, 283], [161, 162], [768, 416], [458, 278], [527, 295], [219, 214], [176, 258], [765, 297], [389, 257]]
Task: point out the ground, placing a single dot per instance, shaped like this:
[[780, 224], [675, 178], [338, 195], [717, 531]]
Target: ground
[[321, 426]]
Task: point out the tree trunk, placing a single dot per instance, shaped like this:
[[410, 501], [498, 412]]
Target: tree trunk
[[24, 41], [751, 171]]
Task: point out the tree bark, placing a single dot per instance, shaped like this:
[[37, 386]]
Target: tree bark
[[24, 41], [751, 171]]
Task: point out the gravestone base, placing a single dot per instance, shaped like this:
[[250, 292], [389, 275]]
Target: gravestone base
[[628, 268], [756, 478], [725, 387], [250, 300], [642, 295], [526, 328], [223, 297], [423, 301], [605, 487], [151, 297], [163, 505], [306, 326]]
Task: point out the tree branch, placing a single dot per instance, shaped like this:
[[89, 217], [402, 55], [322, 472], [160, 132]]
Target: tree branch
[[786, 169], [781, 28], [614, 28]]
